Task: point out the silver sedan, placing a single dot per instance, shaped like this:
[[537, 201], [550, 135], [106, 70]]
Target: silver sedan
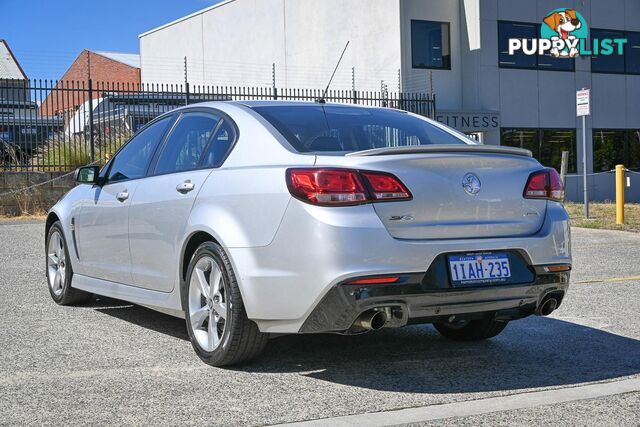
[[250, 219]]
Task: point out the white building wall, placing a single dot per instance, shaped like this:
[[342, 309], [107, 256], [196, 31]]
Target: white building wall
[[236, 43]]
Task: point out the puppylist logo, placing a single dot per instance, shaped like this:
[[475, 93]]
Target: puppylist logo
[[564, 34]]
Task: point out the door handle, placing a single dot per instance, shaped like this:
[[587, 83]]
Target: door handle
[[122, 196], [185, 187]]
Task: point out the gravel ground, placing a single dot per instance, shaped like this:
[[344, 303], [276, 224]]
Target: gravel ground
[[113, 363]]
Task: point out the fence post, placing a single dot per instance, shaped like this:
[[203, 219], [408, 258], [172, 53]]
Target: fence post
[[91, 137], [186, 83]]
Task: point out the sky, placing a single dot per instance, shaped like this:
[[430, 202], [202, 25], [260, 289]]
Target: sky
[[47, 35]]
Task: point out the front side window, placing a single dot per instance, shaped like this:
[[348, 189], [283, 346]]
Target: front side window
[[343, 129], [131, 162], [430, 45], [187, 142], [613, 63], [546, 145], [613, 147]]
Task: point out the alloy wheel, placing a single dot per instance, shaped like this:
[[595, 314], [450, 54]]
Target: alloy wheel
[[56, 263], [208, 308]]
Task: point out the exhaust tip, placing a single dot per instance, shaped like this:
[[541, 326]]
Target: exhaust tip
[[548, 307], [371, 320]]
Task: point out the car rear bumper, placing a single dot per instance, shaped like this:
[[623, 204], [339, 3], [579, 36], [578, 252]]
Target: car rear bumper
[[414, 300], [316, 249]]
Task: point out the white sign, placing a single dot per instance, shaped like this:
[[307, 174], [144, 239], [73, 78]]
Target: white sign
[[583, 107]]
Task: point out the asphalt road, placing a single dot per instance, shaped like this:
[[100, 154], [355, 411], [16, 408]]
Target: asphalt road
[[114, 363]]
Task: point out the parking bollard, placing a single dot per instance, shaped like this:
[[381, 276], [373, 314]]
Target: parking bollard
[[619, 194]]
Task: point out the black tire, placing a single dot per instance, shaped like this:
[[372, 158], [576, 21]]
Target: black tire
[[471, 330], [241, 340], [66, 295]]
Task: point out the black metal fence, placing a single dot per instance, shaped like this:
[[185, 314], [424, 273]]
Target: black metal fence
[[56, 126]]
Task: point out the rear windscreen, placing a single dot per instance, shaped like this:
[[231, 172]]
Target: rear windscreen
[[313, 128]]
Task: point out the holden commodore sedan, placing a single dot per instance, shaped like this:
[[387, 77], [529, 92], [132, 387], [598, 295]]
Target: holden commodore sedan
[[251, 219]]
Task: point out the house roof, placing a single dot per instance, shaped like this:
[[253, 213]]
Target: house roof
[[9, 66], [130, 59]]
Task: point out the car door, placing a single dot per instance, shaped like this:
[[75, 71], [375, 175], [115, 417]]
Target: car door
[[102, 226], [161, 206]]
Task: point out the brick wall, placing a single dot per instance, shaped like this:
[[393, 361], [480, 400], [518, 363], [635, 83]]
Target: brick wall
[[35, 201], [103, 70]]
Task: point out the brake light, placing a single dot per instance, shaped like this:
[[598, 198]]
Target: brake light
[[385, 186], [344, 187], [544, 184]]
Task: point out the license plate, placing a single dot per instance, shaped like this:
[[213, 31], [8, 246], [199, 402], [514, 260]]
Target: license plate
[[479, 269]]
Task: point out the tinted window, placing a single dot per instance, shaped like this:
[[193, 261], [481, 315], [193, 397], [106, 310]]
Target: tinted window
[[632, 52], [613, 63], [507, 30], [430, 46], [187, 141], [613, 147], [546, 145], [523, 30], [220, 144], [131, 162], [344, 129]]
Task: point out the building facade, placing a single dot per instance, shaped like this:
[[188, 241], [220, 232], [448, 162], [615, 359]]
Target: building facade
[[113, 68], [456, 49]]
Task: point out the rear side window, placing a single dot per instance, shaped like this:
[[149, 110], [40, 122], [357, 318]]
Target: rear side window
[[223, 138], [132, 160], [318, 128], [187, 142]]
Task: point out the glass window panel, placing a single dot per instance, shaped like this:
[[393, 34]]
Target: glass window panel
[[608, 149], [554, 142], [430, 46], [507, 30], [607, 63], [132, 161], [220, 145], [632, 53]]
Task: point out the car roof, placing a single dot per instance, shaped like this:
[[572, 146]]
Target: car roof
[[274, 103]]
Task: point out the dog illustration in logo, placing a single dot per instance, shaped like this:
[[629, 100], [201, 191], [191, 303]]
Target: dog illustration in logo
[[563, 23]]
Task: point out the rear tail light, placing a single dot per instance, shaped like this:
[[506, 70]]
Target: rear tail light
[[544, 184], [344, 187], [385, 186]]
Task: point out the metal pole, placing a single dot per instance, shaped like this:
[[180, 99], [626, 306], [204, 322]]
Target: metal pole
[[186, 83], [584, 167], [91, 137]]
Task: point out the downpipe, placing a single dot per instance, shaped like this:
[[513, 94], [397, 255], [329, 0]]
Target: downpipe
[[371, 320]]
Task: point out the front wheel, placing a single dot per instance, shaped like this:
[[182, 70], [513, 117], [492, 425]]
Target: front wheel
[[471, 330], [220, 332], [59, 270]]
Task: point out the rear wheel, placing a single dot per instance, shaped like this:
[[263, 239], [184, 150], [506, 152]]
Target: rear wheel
[[59, 270], [220, 332], [471, 330]]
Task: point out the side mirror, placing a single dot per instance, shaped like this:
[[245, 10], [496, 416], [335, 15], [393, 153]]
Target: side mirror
[[87, 175]]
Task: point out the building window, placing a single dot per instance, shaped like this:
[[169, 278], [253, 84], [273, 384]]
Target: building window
[[524, 30], [430, 46], [613, 63], [613, 147], [632, 53], [546, 145]]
